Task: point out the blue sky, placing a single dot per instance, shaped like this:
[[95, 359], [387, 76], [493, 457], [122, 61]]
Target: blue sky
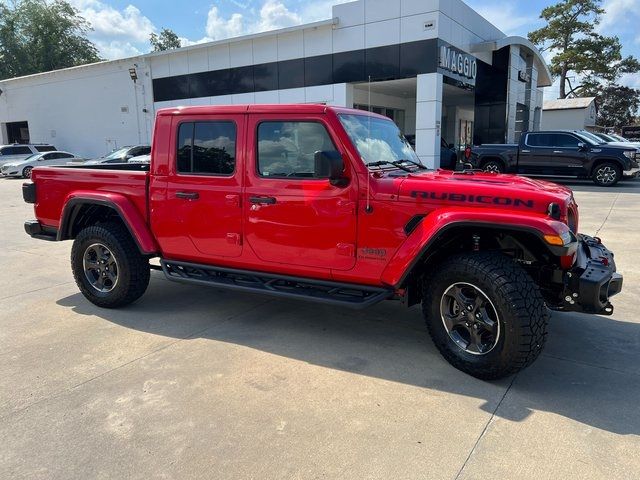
[[122, 28]]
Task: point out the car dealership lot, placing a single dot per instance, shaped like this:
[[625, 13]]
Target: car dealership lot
[[194, 382]]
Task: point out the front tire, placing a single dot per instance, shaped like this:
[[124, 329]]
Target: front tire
[[26, 172], [485, 314], [107, 266], [606, 174], [493, 166]]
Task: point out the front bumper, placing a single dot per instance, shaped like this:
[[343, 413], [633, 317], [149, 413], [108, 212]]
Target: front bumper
[[632, 172], [592, 280]]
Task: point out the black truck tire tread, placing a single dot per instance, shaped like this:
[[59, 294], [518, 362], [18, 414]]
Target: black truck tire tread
[[134, 273], [513, 291]]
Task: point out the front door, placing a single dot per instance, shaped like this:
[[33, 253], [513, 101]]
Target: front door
[[292, 217], [199, 217], [569, 159]]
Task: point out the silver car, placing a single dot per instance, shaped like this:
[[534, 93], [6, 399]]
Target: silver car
[[22, 168], [15, 152]]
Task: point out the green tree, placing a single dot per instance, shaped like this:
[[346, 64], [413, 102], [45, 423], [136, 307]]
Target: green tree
[[617, 105], [167, 40], [39, 36], [570, 36]]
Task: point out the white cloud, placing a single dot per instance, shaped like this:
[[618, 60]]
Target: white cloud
[[618, 12], [218, 27], [117, 49], [116, 33], [272, 16]]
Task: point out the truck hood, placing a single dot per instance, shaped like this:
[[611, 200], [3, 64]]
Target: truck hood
[[484, 190]]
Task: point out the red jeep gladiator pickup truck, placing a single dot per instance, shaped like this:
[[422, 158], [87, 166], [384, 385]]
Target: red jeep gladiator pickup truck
[[330, 205]]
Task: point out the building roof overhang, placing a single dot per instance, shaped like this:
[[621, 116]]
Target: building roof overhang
[[545, 78]]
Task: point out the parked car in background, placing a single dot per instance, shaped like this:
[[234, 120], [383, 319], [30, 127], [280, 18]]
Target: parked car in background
[[15, 152], [611, 140], [145, 159], [122, 155], [22, 168], [560, 153], [448, 155]]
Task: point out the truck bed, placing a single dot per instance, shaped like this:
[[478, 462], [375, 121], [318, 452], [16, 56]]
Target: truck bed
[[128, 180]]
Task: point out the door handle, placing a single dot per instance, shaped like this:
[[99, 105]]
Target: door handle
[[558, 151], [263, 200], [525, 151], [188, 195]]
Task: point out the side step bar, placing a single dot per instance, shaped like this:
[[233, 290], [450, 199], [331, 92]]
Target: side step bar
[[332, 293]]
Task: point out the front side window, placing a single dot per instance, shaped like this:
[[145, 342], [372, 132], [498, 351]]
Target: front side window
[[207, 148], [377, 140], [565, 141], [287, 149]]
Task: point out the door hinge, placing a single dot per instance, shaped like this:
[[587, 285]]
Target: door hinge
[[346, 249], [232, 200], [234, 238]]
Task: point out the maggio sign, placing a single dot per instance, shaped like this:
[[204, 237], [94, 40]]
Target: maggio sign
[[457, 62]]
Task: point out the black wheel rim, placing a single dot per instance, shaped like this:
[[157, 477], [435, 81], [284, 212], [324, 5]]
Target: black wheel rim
[[100, 267], [470, 318], [606, 175]]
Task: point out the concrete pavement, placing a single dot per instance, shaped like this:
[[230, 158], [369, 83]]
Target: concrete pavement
[[193, 382]]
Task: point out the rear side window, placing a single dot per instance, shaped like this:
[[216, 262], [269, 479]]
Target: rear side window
[[16, 151], [207, 148], [287, 149], [45, 148], [538, 140]]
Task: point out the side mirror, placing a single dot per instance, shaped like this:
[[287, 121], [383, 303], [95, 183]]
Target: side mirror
[[127, 157], [582, 147], [451, 146], [330, 164]]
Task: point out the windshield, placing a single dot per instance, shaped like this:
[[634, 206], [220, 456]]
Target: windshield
[[117, 153], [377, 140], [618, 138], [590, 138], [32, 157]]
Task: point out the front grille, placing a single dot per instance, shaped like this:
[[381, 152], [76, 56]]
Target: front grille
[[572, 218]]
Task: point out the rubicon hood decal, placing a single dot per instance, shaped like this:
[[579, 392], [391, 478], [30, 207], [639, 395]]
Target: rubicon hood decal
[[464, 198]]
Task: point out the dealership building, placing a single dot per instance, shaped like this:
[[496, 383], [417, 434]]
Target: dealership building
[[436, 67]]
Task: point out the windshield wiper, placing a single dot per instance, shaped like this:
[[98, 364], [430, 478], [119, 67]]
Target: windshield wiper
[[419, 165], [397, 164]]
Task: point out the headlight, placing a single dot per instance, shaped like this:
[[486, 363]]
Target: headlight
[[631, 154]]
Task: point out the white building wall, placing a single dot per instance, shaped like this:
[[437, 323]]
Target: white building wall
[[574, 119], [87, 110]]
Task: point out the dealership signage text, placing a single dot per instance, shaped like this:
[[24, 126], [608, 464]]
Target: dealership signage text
[[457, 62]]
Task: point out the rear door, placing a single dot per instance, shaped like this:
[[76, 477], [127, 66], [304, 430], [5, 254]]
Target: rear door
[[198, 216], [293, 217], [536, 154]]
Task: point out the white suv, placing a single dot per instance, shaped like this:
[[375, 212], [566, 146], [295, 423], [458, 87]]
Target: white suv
[[16, 152]]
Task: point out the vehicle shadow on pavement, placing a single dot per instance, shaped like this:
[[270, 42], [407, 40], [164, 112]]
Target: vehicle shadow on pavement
[[589, 372]]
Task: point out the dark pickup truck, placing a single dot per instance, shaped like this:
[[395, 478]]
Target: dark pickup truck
[[560, 153]]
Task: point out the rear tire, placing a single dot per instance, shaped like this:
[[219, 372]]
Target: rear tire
[[606, 174], [107, 266], [501, 326], [493, 166]]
